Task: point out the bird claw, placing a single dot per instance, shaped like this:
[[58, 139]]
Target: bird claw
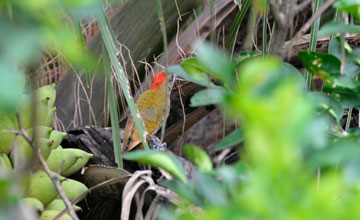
[[156, 143], [160, 146]]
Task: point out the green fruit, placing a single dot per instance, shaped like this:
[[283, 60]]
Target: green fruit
[[5, 163], [23, 152], [34, 203], [58, 205], [59, 155], [84, 157], [73, 188], [50, 116], [41, 131], [26, 111], [48, 91], [57, 137], [42, 188], [50, 214], [6, 139]]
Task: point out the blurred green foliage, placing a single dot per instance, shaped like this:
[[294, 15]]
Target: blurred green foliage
[[31, 27], [28, 29], [297, 162]]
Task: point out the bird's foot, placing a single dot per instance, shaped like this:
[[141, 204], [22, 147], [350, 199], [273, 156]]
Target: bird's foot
[[155, 143], [161, 146]]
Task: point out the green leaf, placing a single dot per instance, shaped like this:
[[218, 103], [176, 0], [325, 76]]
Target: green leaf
[[230, 174], [336, 153], [113, 110], [289, 70], [198, 156], [354, 131], [216, 63], [329, 104], [208, 97], [178, 70], [234, 138], [350, 6], [256, 72], [11, 88], [194, 69], [348, 98], [351, 66], [159, 159], [186, 191], [336, 27], [347, 82], [355, 55], [237, 22], [245, 55], [210, 189], [320, 62]]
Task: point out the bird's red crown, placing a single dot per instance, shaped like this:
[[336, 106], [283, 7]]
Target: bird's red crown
[[158, 80]]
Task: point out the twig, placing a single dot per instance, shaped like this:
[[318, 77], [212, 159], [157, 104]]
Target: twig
[[184, 114], [264, 30], [54, 178], [343, 55], [212, 21], [308, 24], [301, 6]]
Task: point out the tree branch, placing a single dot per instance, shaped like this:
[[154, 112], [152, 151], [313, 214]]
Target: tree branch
[[301, 6], [274, 8]]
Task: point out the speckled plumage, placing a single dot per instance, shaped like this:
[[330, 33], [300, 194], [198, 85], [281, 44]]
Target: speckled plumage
[[151, 105]]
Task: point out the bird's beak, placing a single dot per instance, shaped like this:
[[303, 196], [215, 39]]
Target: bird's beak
[[171, 77]]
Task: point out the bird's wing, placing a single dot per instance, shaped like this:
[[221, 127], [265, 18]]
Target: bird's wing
[[133, 144], [152, 110], [128, 132]]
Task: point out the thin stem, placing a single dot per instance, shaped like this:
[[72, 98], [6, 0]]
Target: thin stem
[[336, 18], [343, 55], [212, 21], [113, 111], [10, 11], [271, 37], [163, 30], [82, 47], [251, 29], [231, 39], [264, 29], [313, 40], [342, 72], [348, 119]]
